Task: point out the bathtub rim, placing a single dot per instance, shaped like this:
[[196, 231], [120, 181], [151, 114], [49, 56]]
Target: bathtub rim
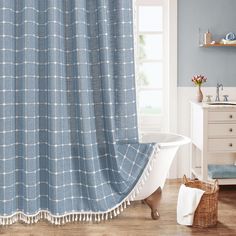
[[184, 139]]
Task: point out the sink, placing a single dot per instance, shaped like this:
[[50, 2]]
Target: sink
[[222, 103]]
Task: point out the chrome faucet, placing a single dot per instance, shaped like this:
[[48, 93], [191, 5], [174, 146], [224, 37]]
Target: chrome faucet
[[218, 91]]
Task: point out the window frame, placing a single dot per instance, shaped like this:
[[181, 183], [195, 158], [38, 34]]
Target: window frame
[[168, 120]]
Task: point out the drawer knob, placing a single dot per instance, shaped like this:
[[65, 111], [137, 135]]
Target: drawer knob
[[230, 130], [231, 145], [230, 116]]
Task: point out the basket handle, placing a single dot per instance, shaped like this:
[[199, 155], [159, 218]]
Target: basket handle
[[216, 185], [185, 180]]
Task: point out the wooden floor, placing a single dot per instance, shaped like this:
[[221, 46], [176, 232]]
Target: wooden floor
[[136, 220]]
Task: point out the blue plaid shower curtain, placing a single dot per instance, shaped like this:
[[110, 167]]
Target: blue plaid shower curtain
[[69, 147]]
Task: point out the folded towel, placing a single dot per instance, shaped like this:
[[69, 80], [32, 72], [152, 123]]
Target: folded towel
[[222, 171], [188, 200], [224, 41]]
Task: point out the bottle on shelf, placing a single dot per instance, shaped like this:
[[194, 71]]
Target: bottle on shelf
[[207, 37]]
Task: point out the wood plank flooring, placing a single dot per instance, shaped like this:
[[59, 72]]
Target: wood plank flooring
[[136, 220]]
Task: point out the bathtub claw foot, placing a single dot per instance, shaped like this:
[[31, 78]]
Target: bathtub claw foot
[[153, 201], [155, 215]]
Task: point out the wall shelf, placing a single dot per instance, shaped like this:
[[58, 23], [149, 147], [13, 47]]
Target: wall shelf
[[217, 45]]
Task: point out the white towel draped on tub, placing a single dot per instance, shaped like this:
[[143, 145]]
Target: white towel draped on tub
[[188, 201]]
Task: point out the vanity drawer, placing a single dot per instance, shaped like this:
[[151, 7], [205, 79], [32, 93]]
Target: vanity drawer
[[222, 116], [222, 145], [221, 130]]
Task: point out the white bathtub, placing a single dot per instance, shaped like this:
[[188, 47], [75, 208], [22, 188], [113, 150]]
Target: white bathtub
[[169, 144]]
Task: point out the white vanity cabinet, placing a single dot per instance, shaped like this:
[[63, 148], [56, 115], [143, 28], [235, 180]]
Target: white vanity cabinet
[[213, 133]]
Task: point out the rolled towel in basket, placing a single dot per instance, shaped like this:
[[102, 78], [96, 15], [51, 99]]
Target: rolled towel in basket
[[188, 200]]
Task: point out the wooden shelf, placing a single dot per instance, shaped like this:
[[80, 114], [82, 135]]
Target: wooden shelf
[[224, 181], [217, 45]]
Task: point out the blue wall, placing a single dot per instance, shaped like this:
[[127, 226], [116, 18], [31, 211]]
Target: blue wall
[[218, 64]]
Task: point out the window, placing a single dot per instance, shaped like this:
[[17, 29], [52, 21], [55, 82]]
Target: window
[[152, 65]]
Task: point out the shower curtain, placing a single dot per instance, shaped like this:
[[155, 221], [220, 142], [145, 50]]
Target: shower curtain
[[69, 147]]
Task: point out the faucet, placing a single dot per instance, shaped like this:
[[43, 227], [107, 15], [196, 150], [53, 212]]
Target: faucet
[[218, 91]]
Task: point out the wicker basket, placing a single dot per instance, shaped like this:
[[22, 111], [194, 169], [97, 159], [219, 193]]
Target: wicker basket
[[206, 214]]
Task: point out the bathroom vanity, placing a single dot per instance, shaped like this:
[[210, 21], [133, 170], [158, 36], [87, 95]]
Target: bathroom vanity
[[213, 133]]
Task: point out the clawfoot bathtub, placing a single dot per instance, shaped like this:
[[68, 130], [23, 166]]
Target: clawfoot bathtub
[[169, 144]]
